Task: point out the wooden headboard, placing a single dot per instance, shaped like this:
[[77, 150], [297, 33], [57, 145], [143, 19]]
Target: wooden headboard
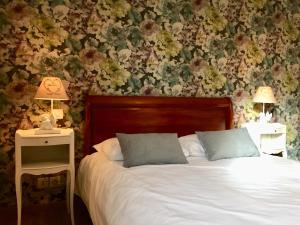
[[107, 115]]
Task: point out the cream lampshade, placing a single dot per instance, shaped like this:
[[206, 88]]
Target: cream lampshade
[[51, 88], [264, 94]]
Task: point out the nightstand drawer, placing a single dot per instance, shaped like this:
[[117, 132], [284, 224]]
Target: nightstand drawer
[[45, 141], [280, 130], [274, 130]]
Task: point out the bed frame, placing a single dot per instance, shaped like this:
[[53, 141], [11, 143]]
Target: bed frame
[[107, 115]]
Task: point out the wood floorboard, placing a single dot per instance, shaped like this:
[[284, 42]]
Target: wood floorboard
[[46, 214]]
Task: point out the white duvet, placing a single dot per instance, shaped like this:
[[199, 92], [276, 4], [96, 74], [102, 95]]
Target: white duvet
[[257, 190]]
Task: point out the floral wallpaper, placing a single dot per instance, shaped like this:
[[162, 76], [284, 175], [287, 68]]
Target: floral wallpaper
[[150, 47]]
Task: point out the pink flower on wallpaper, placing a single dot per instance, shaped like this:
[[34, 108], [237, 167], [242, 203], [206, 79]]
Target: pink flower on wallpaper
[[277, 70], [199, 4], [149, 27], [240, 95]]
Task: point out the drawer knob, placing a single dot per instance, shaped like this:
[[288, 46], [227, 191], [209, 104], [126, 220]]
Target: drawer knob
[[46, 142]]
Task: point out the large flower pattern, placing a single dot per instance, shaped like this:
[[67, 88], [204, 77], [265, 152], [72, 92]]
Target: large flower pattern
[[167, 47]]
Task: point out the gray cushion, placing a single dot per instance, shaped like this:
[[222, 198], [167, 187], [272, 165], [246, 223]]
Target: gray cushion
[[151, 148], [227, 144]]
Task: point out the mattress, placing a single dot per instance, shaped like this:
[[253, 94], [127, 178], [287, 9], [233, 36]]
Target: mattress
[[250, 190]]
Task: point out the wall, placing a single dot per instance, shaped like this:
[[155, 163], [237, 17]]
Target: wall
[[167, 47]]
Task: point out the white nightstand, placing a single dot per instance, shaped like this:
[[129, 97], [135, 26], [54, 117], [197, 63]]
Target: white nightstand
[[45, 154], [270, 138]]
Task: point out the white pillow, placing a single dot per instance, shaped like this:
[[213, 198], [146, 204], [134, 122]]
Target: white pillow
[[191, 144], [111, 148]]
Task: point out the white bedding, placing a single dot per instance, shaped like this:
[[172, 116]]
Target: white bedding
[[257, 190]]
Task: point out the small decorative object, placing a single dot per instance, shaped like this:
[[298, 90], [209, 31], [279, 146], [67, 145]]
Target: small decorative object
[[46, 123], [25, 123], [265, 117], [264, 94], [51, 88]]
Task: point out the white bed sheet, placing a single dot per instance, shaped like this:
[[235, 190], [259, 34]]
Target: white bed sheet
[[256, 190]]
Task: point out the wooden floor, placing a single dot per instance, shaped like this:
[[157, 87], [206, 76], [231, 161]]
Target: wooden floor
[[51, 214]]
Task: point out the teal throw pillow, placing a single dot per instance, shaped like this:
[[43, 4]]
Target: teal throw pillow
[[227, 144]]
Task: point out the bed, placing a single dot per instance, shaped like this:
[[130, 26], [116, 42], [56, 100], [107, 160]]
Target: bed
[[246, 190]]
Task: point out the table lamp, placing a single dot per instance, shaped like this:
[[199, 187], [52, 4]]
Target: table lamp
[[51, 89], [264, 94]]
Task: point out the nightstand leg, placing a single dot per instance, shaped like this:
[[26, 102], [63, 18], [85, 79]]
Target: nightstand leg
[[72, 174], [68, 190], [19, 196]]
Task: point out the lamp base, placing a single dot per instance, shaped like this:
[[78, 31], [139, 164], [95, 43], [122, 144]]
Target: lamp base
[[44, 131]]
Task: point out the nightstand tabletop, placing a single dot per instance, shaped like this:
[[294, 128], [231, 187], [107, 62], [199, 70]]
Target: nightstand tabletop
[[266, 128], [31, 133]]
